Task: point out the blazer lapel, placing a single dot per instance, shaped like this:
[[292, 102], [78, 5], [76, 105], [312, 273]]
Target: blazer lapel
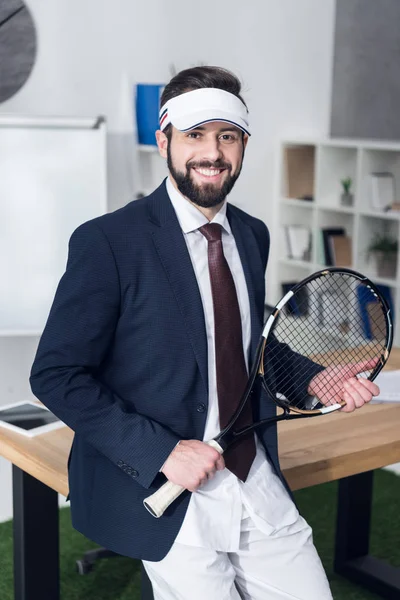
[[254, 274], [172, 250]]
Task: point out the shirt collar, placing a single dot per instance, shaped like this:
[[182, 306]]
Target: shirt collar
[[189, 217]]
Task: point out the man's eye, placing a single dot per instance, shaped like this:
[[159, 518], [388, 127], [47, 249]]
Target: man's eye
[[193, 135], [228, 137]]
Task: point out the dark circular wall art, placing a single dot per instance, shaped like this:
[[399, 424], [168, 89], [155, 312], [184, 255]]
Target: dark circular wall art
[[17, 47]]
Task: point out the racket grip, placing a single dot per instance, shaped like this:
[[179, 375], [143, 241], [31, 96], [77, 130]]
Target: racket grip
[[158, 502]]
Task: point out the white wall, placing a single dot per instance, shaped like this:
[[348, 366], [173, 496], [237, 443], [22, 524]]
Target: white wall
[[91, 52]]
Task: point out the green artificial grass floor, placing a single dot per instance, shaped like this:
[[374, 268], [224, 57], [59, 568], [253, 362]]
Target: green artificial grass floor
[[119, 578]]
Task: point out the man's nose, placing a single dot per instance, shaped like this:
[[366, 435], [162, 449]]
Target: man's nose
[[212, 150]]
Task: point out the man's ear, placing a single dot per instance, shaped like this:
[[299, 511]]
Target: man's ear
[[162, 143], [245, 140]]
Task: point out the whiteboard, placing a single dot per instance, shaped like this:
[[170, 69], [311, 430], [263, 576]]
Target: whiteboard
[[52, 179]]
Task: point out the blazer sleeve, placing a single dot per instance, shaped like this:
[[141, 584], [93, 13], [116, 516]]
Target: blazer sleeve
[[77, 335], [299, 370]]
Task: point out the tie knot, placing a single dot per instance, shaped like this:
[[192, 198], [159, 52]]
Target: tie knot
[[212, 232]]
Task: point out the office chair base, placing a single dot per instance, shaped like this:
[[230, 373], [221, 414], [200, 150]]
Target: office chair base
[[85, 565]]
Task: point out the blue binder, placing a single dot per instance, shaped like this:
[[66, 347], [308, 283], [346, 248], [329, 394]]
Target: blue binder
[[365, 297]]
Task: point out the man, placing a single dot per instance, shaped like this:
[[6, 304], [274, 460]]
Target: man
[[157, 297]]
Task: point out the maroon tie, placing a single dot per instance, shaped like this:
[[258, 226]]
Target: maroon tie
[[229, 356]]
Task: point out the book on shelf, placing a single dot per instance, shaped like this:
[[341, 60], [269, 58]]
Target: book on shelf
[[395, 207], [298, 242], [327, 233], [382, 192], [298, 304], [299, 166], [341, 251]]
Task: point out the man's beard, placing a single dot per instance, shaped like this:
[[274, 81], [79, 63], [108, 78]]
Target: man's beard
[[207, 195]]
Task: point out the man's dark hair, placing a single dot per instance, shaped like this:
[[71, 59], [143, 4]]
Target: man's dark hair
[[197, 78]]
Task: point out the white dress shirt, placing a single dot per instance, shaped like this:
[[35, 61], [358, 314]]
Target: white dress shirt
[[215, 510]]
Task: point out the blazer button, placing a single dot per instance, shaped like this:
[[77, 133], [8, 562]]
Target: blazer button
[[129, 470], [120, 463], [135, 473], [201, 407]]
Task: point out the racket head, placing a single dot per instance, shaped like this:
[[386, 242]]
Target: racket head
[[332, 326]]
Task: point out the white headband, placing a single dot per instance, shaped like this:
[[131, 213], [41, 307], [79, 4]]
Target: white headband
[[191, 109]]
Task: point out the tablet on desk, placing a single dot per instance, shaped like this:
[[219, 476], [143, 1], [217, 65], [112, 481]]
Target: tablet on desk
[[28, 418]]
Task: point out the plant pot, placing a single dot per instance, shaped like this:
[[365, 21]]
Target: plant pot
[[386, 264], [346, 199]]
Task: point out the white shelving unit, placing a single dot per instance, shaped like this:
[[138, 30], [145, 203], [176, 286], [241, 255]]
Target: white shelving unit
[[332, 161]]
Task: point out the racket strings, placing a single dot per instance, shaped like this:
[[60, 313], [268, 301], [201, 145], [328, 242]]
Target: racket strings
[[316, 350], [320, 333]]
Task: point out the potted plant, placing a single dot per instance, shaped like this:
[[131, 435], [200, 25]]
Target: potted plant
[[347, 197], [384, 248]]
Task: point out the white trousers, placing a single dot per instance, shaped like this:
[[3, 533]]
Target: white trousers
[[282, 566]]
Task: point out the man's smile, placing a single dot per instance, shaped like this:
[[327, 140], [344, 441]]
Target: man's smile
[[208, 175]]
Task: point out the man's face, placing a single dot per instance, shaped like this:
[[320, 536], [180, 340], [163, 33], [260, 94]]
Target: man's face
[[205, 162]]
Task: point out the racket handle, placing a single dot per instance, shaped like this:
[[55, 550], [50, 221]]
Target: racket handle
[[158, 502]]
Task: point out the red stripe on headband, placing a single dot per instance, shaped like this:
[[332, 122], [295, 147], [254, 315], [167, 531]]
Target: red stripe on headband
[[163, 118]]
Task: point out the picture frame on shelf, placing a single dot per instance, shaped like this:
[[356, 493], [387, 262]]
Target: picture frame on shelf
[[382, 191]]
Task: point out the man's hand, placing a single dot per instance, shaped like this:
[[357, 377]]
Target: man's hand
[[335, 384], [192, 463]]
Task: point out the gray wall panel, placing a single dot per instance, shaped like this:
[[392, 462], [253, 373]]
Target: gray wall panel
[[366, 72]]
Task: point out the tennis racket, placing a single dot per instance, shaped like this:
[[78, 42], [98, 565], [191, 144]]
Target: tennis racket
[[330, 327]]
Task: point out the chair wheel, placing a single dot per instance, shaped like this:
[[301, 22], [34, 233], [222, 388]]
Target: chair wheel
[[83, 567]]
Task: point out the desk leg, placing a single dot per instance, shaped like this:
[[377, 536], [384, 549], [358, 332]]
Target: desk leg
[[352, 559], [36, 538]]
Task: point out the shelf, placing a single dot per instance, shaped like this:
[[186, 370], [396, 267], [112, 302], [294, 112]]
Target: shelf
[[304, 264], [356, 143], [380, 280], [148, 148], [375, 214], [298, 203], [315, 267], [349, 210]]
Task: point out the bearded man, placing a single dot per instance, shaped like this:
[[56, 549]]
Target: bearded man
[[145, 354]]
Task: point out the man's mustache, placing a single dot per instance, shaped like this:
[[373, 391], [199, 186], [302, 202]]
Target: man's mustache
[[218, 164]]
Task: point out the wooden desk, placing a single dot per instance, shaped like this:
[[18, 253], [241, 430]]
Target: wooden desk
[[343, 446], [323, 449]]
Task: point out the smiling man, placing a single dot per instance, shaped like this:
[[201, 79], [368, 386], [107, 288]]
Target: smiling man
[[206, 183], [204, 161], [146, 354]]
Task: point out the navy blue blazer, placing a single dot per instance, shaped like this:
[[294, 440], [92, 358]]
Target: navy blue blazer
[[123, 362]]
